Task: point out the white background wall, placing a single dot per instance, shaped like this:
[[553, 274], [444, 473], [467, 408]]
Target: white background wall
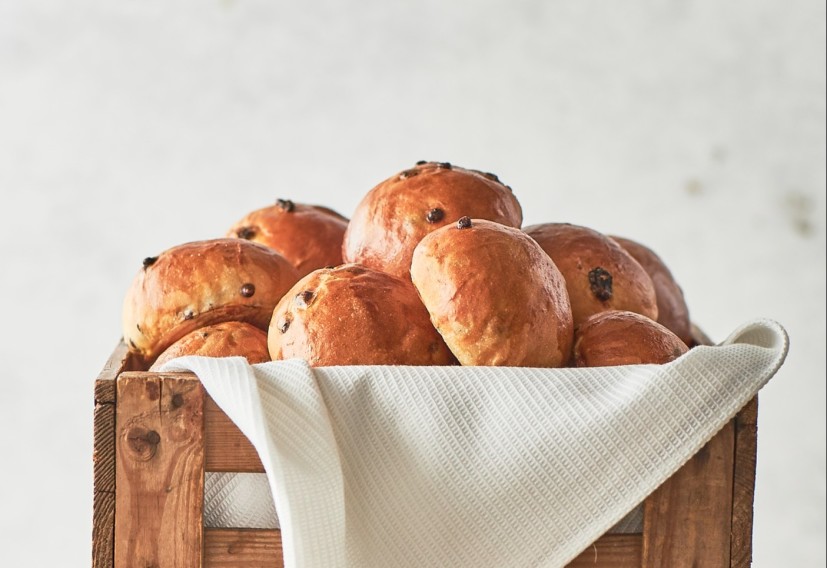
[[695, 126]]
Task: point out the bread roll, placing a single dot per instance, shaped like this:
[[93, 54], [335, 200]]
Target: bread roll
[[494, 295], [394, 216], [309, 236], [202, 283], [673, 312], [599, 274], [616, 337], [354, 315], [228, 339]]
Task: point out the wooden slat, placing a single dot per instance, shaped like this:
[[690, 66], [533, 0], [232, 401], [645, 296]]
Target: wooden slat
[[743, 491], [687, 520], [103, 459], [103, 468], [159, 471], [250, 548], [227, 448], [103, 530], [611, 551], [257, 548], [103, 454]]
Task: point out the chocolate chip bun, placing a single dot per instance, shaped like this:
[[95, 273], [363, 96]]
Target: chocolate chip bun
[[228, 339], [599, 274], [673, 312], [394, 216], [494, 295], [309, 236], [354, 315], [616, 337], [202, 283]]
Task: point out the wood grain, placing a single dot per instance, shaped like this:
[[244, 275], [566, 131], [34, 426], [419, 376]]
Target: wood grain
[[611, 551], [687, 520], [103, 530], [227, 448], [743, 491], [103, 459], [103, 468], [159, 470], [250, 548], [257, 548]]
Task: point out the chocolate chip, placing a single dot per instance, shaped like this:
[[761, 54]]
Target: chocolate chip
[[435, 215], [188, 315], [600, 282], [408, 173], [304, 298], [444, 165], [247, 290], [285, 205], [464, 223], [149, 261], [246, 233], [421, 162], [492, 177], [177, 400], [285, 325]]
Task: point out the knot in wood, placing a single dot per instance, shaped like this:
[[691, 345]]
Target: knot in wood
[[142, 443], [153, 390]]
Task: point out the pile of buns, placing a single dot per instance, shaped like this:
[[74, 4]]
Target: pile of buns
[[433, 267]]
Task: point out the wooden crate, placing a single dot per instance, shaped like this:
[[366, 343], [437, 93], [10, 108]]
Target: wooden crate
[[157, 433]]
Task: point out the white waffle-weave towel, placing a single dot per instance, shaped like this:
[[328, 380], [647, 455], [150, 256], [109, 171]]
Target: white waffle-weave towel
[[476, 466]]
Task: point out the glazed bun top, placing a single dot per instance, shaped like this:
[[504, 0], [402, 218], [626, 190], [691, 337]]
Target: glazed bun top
[[308, 236], [228, 339], [494, 295], [673, 312], [202, 283], [615, 338], [599, 274], [394, 216], [354, 315]]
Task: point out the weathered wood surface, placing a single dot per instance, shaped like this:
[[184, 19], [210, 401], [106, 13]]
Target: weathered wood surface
[[227, 448], [687, 520], [611, 551], [256, 548], [247, 548], [159, 470], [743, 492], [103, 459]]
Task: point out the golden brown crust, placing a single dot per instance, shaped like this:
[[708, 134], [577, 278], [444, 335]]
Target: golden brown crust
[[672, 309], [599, 274], [354, 315], [228, 339], [616, 337], [494, 295], [394, 216], [202, 283], [309, 236]]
